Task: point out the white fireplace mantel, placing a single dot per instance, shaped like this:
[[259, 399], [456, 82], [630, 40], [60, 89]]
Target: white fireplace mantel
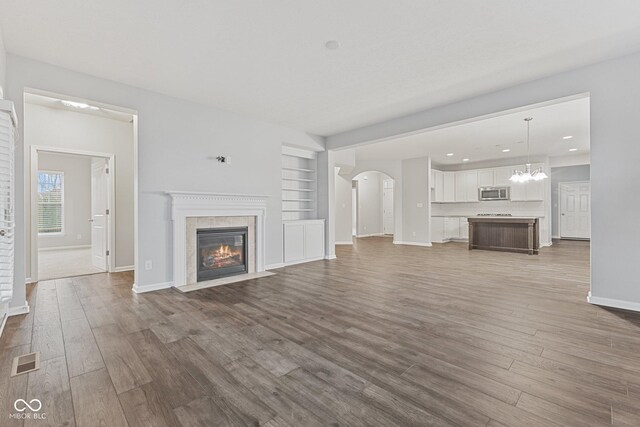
[[187, 204]]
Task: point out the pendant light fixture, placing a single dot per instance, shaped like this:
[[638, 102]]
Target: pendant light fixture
[[527, 175]]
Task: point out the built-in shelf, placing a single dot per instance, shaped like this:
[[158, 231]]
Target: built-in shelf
[[297, 179], [298, 189], [298, 184], [298, 169]]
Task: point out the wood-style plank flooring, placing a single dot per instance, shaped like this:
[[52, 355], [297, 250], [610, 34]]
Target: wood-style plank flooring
[[384, 335]]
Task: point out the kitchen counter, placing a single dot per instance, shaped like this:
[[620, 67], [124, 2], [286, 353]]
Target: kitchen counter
[[504, 233]]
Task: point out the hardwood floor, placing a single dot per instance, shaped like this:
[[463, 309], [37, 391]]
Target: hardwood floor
[[383, 335]]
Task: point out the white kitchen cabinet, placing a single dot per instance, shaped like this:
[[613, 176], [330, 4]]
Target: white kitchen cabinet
[[438, 185], [528, 191], [466, 186], [437, 229], [449, 187], [486, 177], [501, 176], [451, 228], [464, 228], [303, 240]]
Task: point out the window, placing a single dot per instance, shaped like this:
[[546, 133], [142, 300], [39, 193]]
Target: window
[[50, 202]]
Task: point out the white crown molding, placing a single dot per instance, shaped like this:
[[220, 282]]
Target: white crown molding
[[188, 204]]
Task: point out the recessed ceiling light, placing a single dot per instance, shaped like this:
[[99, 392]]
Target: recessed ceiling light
[[332, 44], [506, 150], [567, 137], [449, 154], [80, 105], [573, 149], [465, 160]]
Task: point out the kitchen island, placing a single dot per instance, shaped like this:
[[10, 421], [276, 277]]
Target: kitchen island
[[504, 233]]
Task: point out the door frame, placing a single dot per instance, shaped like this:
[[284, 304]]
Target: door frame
[[33, 191], [559, 211], [393, 196]]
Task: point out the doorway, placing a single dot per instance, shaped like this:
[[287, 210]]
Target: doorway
[[372, 200], [575, 210], [72, 200]]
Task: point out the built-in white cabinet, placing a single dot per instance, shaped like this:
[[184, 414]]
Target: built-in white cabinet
[[444, 229], [449, 187], [528, 191], [466, 186], [303, 240], [462, 186]]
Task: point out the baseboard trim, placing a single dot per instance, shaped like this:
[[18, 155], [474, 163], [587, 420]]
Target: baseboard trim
[[400, 242], [152, 287], [555, 237], [369, 235], [62, 248], [28, 281], [345, 243], [302, 261], [16, 311], [274, 266], [615, 303], [123, 269], [329, 257]]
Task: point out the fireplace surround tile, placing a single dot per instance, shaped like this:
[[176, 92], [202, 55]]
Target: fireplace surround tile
[[193, 224]]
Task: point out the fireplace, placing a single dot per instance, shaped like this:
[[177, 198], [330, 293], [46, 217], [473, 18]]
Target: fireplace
[[221, 252]]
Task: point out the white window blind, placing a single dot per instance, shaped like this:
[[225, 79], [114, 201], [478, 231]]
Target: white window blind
[[50, 202], [6, 203]]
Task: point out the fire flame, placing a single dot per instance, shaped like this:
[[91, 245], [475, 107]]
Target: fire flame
[[224, 251]]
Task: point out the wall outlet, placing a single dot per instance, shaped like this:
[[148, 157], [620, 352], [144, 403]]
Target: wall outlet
[[148, 264]]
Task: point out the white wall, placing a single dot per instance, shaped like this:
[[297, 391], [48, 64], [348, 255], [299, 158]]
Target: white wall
[[415, 200], [176, 139], [77, 200], [3, 65], [51, 127], [614, 89], [343, 208], [369, 203]]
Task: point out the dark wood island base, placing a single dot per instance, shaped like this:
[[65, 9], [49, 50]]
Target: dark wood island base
[[508, 234]]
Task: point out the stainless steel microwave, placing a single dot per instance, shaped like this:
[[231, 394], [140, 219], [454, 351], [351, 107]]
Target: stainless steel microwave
[[493, 193]]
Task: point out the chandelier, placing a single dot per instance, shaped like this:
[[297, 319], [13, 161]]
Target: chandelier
[[527, 174]]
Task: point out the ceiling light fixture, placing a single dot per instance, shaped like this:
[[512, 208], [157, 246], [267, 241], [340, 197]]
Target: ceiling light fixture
[[465, 160], [506, 150], [449, 154], [527, 175], [332, 44], [567, 137], [80, 105], [573, 149]]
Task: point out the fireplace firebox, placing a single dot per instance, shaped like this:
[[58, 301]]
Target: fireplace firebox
[[222, 252]]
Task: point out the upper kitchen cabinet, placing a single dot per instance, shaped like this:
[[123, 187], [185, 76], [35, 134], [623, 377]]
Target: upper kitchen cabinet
[[496, 177], [449, 187], [437, 184], [486, 178], [529, 191], [502, 175], [466, 186]]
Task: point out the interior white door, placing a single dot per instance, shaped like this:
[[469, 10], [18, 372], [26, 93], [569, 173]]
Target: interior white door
[[575, 210], [99, 217], [387, 206]]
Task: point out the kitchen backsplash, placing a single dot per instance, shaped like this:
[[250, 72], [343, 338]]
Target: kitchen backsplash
[[496, 206]]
